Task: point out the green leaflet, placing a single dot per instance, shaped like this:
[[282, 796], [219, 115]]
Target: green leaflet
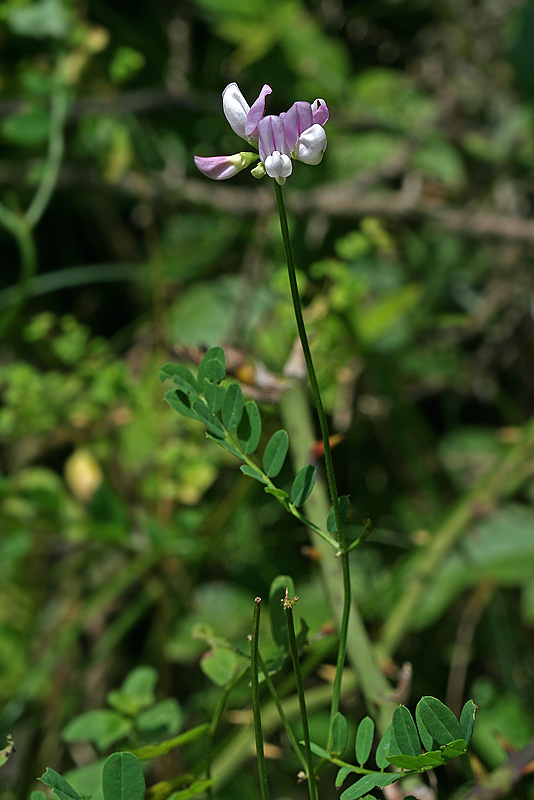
[[436, 723], [60, 786], [404, 738], [249, 428], [122, 778], [253, 472], [181, 403], [232, 407], [340, 733], [275, 453], [212, 366], [364, 740], [303, 485], [209, 419], [369, 782], [467, 720]]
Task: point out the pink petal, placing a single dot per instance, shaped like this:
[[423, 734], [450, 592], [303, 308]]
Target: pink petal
[[256, 112], [320, 111], [219, 168], [297, 120]]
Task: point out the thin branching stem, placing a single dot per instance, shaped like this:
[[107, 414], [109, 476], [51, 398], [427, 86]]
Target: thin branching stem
[[288, 608], [254, 661], [327, 457]]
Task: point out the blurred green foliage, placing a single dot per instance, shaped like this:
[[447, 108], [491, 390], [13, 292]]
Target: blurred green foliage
[[128, 541]]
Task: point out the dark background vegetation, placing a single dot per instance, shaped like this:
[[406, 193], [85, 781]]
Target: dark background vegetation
[[121, 527]]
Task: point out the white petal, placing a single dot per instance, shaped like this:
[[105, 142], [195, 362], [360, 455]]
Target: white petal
[[287, 166], [278, 165], [311, 145], [235, 109]]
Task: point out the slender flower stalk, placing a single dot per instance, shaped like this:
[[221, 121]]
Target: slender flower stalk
[[281, 713], [214, 726], [288, 608], [331, 479], [260, 756]]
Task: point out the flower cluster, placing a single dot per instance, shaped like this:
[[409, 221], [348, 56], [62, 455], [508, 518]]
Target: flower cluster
[[294, 134]]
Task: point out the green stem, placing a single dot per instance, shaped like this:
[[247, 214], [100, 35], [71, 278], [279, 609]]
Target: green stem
[[56, 147], [309, 365], [283, 718], [260, 756], [329, 467], [288, 608], [214, 725], [22, 234]]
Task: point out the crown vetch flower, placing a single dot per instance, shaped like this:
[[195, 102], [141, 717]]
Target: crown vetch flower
[[297, 133]]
